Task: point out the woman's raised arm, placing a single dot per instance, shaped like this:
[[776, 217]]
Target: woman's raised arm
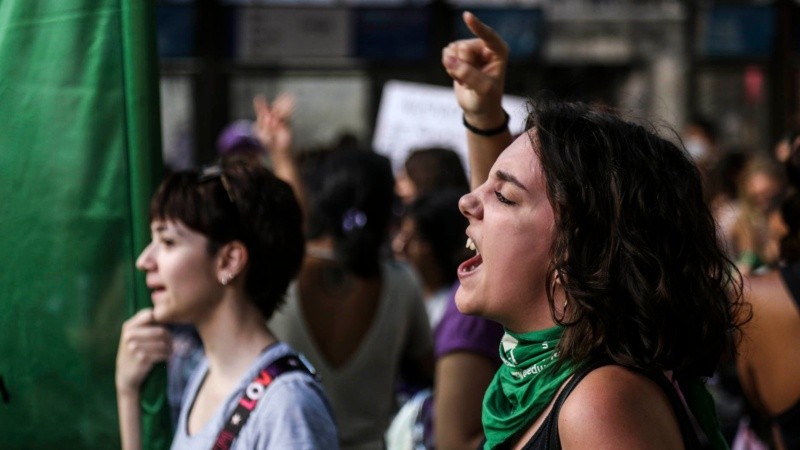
[[478, 68]]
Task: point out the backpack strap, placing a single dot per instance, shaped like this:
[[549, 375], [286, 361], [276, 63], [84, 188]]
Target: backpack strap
[[253, 393]]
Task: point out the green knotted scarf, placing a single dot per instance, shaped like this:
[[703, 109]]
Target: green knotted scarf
[[528, 381], [524, 385]]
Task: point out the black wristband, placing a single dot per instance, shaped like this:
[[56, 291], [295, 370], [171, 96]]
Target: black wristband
[[490, 132]]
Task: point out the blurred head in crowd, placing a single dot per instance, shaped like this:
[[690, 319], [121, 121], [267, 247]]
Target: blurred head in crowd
[[785, 146], [431, 237], [760, 184], [351, 202], [429, 169], [238, 139], [701, 139]]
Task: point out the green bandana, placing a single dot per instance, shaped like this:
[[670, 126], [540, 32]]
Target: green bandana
[[524, 385], [528, 381]]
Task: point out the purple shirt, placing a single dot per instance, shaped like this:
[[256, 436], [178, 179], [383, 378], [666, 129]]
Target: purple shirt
[[460, 332]]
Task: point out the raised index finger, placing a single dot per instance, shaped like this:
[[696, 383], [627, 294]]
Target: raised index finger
[[493, 41]]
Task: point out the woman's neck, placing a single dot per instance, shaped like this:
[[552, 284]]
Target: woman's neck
[[539, 316], [233, 337]]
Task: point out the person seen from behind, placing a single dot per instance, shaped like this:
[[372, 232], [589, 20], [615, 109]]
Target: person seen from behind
[[354, 312], [430, 169]]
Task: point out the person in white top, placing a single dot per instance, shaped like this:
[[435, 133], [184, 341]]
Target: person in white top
[[358, 316]]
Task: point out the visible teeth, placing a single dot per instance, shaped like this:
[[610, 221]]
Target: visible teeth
[[470, 244]]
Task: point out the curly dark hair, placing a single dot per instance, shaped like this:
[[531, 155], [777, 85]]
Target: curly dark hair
[[244, 201], [636, 247]]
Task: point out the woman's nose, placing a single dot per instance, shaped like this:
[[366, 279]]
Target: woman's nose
[[470, 205], [145, 260]]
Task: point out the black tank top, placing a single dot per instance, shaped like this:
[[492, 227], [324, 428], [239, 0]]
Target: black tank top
[[546, 437]]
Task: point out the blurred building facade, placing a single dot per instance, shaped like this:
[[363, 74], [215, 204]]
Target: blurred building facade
[[734, 62]]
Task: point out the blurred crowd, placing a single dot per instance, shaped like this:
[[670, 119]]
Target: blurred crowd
[[373, 304], [365, 223]]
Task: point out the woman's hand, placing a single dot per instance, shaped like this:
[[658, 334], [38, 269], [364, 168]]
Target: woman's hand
[[142, 344], [273, 124], [478, 69], [273, 129]]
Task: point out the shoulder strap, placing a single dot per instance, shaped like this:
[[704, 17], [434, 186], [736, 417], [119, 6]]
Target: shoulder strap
[[553, 440], [253, 393], [688, 432]]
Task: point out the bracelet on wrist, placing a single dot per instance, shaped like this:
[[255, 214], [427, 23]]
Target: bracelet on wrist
[[489, 132]]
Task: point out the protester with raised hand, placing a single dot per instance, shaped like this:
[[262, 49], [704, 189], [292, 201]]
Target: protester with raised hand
[[596, 252]]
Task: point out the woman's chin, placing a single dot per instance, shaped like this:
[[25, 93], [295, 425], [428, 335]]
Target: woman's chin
[[162, 314], [466, 303], [158, 315]]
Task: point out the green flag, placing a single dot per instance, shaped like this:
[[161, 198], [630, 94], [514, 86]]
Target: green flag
[[79, 156]]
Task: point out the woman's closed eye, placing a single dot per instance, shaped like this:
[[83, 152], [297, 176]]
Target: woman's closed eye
[[502, 199], [165, 241]]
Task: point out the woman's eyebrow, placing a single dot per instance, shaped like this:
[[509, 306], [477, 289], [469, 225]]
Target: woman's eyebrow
[[507, 177], [163, 228]]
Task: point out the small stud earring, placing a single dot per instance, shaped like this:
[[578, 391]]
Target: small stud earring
[[226, 278]]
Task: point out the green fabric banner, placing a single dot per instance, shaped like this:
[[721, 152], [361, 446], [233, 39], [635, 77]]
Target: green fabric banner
[[79, 157]]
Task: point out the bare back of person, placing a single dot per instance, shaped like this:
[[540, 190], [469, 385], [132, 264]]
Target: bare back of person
[[338, 307], [769, 363]]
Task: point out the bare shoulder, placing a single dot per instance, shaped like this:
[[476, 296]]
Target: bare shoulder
[[614, 407], [767, 291]]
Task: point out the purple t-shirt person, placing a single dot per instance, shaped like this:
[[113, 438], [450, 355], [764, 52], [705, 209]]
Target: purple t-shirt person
[[460, 332]]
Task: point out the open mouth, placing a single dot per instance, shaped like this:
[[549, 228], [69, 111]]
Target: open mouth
[[472, 263], [156, 290]]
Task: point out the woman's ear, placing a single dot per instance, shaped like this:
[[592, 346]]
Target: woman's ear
[[231, 261]]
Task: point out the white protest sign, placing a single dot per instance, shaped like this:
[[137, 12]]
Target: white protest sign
[[413, 116]]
